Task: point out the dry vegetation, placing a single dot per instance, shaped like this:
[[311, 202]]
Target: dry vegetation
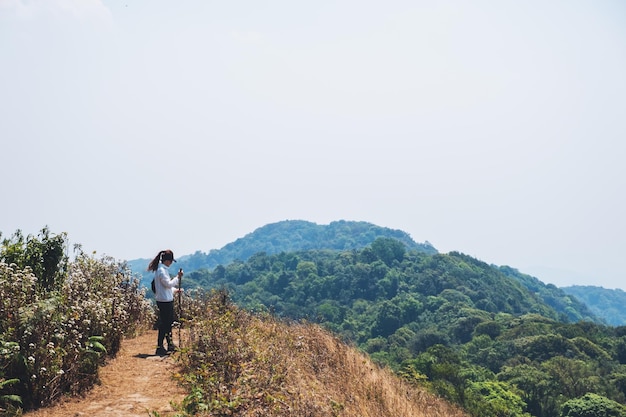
[[248, 365]]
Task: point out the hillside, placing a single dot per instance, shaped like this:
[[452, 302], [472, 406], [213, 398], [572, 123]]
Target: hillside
[[471, 332], [610, 305], [71, 341], [258, 367], [296, 283], [480, 336], [290, 236], [255, 365], [299, 235], [567, 303]]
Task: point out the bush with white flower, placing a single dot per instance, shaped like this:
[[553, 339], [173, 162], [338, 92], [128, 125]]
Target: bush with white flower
[[55, 335]]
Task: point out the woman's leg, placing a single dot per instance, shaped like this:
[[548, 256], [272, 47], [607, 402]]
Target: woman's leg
[[168, 329], [166, 316]]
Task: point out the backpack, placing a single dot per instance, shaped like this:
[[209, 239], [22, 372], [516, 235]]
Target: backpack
[[153, 286]]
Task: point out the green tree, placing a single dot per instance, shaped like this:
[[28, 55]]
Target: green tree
[[387, 320], [44, 254], [388, 250], [305, 269], [537, 388], [575, 377], [490, 328], [592, 405], [494, 399], [442, 365]]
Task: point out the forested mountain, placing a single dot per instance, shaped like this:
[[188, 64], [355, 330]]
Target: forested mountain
[[297, 235], [490, 338], [289, 236], [472, 332], [609, 305], [380, 271], [562, 301]]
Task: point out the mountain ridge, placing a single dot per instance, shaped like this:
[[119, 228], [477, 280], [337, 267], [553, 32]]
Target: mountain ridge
[[298, 235], [287, 236], [295, 235], [609, 304]]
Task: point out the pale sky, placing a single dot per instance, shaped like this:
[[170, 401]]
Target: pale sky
[[493, 128]]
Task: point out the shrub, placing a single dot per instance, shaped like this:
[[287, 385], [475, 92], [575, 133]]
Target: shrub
[[592, 405], [53, 340]]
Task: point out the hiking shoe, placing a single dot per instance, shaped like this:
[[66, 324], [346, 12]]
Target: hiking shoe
[[161, 351], [172, 348]]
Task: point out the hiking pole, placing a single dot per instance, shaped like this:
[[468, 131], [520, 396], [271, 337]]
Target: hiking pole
[[180, 306]]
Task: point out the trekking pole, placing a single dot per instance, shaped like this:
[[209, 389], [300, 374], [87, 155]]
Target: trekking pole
[[180, 307]]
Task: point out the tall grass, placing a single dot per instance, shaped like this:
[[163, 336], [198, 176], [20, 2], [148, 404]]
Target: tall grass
[[238, 363]]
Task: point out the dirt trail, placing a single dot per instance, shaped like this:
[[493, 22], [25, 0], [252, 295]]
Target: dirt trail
[[133, 384]]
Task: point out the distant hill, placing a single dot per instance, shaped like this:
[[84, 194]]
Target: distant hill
[[297, 284], [298, 235], [568, 304], [290, 236], [610, 305]]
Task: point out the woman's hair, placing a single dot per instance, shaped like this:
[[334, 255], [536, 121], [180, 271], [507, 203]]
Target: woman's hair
[[164, 255]]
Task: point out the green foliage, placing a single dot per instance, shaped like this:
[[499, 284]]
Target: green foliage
[[95, 344], [43, 254], [494, 399], [388, 250], [610, 305], [54, 337], [565, 301], [592, 405], [537, 388], [297, 235], [465, 329], [9, 402]]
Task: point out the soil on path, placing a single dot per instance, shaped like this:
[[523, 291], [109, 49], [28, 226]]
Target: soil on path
[[133, 384]]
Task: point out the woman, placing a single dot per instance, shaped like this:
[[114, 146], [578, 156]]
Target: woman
[[165, 287]]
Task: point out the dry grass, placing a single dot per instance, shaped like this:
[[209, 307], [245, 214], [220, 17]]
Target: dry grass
[[321, 373], [297, 370]]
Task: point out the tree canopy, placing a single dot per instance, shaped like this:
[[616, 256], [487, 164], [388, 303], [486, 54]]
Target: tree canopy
[[474, 333]]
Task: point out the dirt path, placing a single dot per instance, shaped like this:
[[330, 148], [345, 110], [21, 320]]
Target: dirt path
[[133, 384]]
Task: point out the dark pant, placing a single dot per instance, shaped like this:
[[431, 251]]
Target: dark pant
[[166, 318]]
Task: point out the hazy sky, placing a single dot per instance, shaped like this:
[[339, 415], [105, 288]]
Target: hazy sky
[[493, 128]]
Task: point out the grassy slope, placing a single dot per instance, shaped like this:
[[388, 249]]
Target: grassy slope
[[259, 366]]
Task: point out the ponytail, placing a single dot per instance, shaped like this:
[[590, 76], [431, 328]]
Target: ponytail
[[154, 264], [164, 255]]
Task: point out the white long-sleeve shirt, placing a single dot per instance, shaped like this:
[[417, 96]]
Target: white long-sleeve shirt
[[164, 284]]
